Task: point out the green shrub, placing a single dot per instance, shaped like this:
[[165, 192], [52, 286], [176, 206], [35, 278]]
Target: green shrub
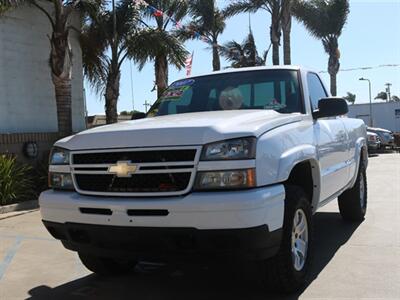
[[40, 176], [15, 181]]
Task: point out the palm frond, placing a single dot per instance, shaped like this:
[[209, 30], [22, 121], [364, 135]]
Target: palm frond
[[176, 9], [149, 43], [242, 55], [243, 6], [322, 18]]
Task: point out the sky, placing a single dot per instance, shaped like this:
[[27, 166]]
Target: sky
[[371, 37]]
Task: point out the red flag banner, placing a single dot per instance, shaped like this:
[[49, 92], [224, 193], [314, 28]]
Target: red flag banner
[[188, 64]]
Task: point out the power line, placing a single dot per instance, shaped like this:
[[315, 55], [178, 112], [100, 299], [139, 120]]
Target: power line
[[365, 68]]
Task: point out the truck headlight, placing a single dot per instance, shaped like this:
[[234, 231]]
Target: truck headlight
[[59, 156], [61, 181], [242, 148], [232, 179]]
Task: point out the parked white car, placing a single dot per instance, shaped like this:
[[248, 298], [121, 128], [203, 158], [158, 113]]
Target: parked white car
[[233, 164]]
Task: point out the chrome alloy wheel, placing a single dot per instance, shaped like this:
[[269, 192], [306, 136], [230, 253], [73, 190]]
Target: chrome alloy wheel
[[299, 240]]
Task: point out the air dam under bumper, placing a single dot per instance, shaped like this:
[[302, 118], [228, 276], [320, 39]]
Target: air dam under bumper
[[247, 221], [163, 244]]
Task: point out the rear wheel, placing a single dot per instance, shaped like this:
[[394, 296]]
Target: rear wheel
[[353, 202], [288, 270], [106, 266]]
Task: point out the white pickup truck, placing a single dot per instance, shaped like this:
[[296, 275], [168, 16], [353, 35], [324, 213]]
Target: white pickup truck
[[230, 165]]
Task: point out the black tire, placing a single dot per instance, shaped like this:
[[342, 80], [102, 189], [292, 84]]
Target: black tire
[[106, 266], [281, 272], [352, 208]]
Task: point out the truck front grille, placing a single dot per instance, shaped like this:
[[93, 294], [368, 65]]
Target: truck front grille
[[157, 172], [141, 183]]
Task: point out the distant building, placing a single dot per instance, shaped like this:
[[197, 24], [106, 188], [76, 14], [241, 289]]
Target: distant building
[[27, 100], [384, 114], [100, 120]]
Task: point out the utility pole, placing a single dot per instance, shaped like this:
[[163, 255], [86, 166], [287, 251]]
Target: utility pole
[[389, 96], [146, 105], [133, 95]]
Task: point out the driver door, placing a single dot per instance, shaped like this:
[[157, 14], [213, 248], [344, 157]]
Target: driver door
[[330, 137]]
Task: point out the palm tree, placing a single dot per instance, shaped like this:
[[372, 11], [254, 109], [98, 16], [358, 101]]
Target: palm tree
[[161, 44], [60, 60], [274, 7], [209, 21], [105, 49], [286, 23], [243, 55], [325, 20], [350, 97], [384, 96]]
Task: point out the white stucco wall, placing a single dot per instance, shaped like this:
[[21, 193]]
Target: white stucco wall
[[27, 98], [383, 114]]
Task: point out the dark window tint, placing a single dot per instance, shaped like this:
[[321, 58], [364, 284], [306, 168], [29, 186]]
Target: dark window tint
[[266, 89], [316, 89]]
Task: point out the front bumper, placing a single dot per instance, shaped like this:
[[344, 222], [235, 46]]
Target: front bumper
[[163, 244], [244, 223], [206, 210]]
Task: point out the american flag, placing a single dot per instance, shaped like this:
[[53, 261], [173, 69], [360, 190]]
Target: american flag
[[188, 64]]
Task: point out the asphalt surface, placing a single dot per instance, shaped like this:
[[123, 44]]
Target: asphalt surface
[[352, 261]]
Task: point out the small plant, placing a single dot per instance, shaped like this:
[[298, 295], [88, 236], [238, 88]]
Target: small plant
[[15, 181], [40, 175]]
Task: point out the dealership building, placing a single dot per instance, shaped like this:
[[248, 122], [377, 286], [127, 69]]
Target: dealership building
[[384, 114]]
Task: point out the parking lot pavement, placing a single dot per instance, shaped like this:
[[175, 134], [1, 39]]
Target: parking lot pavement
[[351, 261]]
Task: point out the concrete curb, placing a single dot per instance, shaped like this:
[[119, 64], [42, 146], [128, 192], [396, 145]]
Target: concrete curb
[[27, 205]]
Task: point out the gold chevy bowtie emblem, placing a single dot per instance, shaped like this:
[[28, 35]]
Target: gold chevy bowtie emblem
[[123, 169]]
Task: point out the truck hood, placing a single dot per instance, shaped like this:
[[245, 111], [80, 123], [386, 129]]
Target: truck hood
[[179, 130]]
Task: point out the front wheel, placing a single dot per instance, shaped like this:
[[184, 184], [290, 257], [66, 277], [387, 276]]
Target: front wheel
[[353, 202], [288, 270], [106, 266]]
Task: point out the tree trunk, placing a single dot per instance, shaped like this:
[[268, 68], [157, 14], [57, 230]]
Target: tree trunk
[[61, 69], [333, 84], [275, 54], [112, 94], [62, 87], [216, 59], [286, 42], [333, 69], [275, 32], [286, 48], [286, 21], [161, 70]]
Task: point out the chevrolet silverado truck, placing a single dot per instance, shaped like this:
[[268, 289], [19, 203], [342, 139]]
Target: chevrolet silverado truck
[[230, 165]]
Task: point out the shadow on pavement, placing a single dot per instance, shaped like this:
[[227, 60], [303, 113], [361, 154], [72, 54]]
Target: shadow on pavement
[[195, 282]]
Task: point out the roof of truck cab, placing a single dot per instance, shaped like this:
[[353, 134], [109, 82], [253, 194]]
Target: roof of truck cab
[[233, 70]]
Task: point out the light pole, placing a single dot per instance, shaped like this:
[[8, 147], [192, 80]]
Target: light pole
[[370, 100]]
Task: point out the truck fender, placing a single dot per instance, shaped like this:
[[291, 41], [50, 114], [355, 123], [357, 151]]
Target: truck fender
[[360, 147], [300, 154]]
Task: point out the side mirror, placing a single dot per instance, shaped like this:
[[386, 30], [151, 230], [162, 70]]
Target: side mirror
[[331, 107], [137, 116]]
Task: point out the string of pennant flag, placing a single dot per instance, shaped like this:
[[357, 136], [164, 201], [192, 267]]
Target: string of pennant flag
[[142, 4]]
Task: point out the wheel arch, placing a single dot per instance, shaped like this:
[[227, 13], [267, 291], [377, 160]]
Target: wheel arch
[[306, 174], [299, 165], [361, 154]]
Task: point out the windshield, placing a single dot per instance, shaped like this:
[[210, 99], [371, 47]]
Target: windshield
[[265, 89]]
